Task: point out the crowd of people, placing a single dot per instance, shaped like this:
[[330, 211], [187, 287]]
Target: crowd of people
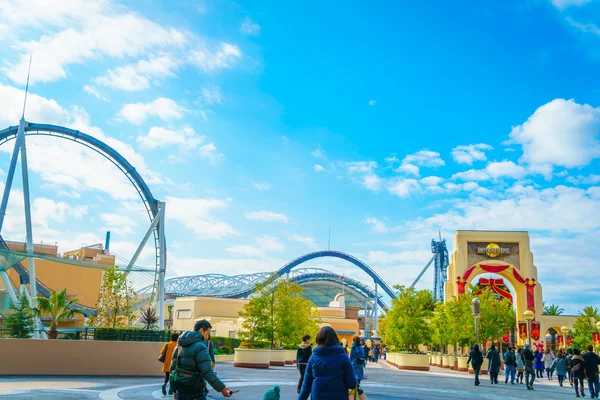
[[333, 369], [568, 365]]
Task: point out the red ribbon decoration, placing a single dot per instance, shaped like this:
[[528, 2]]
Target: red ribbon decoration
[[495, 285]]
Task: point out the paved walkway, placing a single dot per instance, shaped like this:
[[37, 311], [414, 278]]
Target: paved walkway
[[384, 382]]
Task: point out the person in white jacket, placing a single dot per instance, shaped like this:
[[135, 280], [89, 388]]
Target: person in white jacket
[[548, 359]]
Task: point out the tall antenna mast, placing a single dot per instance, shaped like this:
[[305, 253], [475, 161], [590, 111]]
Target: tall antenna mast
[[27, 87]]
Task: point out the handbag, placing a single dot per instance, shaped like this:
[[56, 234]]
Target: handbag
[[163, 354], [356, 395]]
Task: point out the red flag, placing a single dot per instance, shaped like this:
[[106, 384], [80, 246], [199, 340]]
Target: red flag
[[535, 330], [561, 341], [596, 336], [523, 330]]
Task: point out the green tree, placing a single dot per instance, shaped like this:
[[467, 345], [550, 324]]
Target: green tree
[[496, 315], [441, 330], [58, 307], [584, 326], [115, 301], [21, 322], [278, 314], [148, 318], [407, 321], [553, 309], [461, 321]]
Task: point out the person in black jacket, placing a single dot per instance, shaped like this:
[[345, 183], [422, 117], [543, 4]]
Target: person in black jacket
[[476, 360], [192, 357], [302, 356], [578, 372], [591, 369], [494, 363]]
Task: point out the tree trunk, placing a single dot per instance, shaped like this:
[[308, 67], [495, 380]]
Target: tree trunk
[[53, 332]]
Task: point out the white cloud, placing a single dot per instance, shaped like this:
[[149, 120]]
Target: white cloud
[[97, 34], [408, 256], [266, 216], [212, 95], [392, 159], [403, 187], [269, 243], [250, 27], [432, 180], [409, 169], [94, 92], [372, 102], [305, 240], [139, 76], [165, 109], [470, 153], [494, 170], [196, 214], [159, 137], [209, 151], [361, 166], [244, 250], [363, 173], [424, 158], [372, 182], [319, 153], [591, 179], [376, 224], [562, 4], [318, 168], [561, 133], [118, 223], [211, 61], [262, 185]]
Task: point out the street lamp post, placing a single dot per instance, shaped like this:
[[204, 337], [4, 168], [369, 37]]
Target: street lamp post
[[476, 308], [564, 330], [529, 317]]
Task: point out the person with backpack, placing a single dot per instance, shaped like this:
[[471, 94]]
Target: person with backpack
[[357, 358], [520, 365], [528, 358], [166, 354], [302, 356], [578, 372], [191, 367], [510, 366], [560, 365]]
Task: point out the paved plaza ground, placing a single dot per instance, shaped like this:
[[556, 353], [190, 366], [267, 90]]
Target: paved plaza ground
[[384, 382]]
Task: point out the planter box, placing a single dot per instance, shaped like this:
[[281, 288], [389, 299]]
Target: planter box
[[290, 357], [252, 358], [462, 363], [484, 368], [446, 361], [224, 358], [412, 362], [278, 358]]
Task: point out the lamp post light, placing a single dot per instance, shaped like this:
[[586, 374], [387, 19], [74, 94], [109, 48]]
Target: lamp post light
[[564, 330], [528, 315], [476, 311]]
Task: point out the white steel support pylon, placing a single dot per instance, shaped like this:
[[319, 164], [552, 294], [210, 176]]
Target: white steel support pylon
[[162, 265]]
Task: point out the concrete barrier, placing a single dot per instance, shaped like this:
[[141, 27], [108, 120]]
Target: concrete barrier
[[82, 357]]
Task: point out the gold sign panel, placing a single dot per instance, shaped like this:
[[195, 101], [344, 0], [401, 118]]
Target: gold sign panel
[[479, 252]]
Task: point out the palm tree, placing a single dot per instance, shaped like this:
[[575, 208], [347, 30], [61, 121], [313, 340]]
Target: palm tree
[[58, 307], [553, 309], [148, 318], [590, 312]]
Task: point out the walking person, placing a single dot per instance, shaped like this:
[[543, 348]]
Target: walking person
[[302, 356], [376, 352], [578, 372], [528, 359], [329, 374], [510, 366], [211, 352], [476, 360], [520, 365], [357, 358], [493, 364], [366, 350], [560, 366], [191, 367], [569, 365], [539, 365], [548, 359], [167, 353], [591, 369]]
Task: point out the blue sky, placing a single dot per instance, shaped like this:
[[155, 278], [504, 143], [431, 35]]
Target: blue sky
[[263, 124]]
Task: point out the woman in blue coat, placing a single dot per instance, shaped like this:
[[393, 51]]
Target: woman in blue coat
[[357, 358], [329, 374]]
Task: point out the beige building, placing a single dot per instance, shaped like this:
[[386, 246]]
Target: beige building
[[223, 315]]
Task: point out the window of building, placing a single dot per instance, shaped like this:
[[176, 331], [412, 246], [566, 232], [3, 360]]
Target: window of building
[[232, 334], [213, 332], [184, 314]]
